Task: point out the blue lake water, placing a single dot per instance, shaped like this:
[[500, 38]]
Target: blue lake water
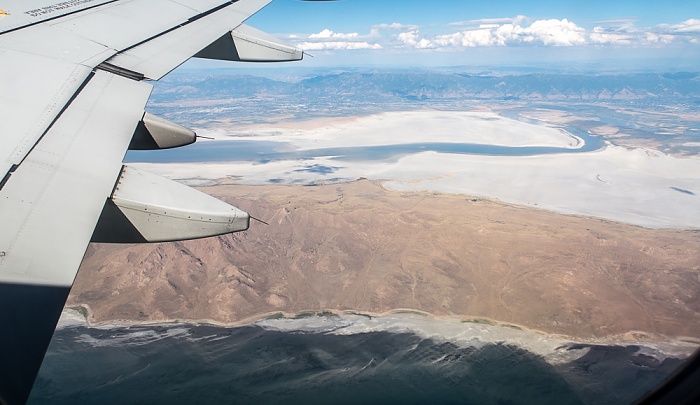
[[267, 151]]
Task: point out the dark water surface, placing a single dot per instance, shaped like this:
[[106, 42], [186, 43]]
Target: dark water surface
[[187, 364]]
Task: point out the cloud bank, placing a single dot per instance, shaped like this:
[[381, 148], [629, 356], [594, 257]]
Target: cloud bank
[[519, 31]]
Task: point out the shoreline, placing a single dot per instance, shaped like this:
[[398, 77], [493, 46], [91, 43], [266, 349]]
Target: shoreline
[[358, 247], [389, 128], [640, 186], [78, 315], [566, 184], [386, 184]]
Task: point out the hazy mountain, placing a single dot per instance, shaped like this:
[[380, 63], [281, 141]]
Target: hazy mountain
[[432, 85]]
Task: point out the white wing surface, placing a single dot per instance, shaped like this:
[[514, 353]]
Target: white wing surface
[[73, 88]]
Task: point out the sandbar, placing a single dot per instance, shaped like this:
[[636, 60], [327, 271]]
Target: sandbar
[[476, 127]]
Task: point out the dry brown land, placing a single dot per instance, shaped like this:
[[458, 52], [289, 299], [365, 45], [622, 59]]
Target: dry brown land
[[357, 246]]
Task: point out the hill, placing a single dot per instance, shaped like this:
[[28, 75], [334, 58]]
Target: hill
[[357, 246]]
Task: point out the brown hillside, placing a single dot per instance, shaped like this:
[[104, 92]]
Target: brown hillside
[[358, 246]]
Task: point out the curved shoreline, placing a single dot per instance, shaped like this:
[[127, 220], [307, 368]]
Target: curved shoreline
[[402, 134]]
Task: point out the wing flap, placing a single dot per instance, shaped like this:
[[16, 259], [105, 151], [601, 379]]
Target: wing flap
[[54, 199]]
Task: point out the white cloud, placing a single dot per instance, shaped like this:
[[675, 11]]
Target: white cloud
[[517, 20], [408, 38], [337, 45], [503, 32], [602, 36], [473, 38], [655, 38], [554, 32], [395, 27], [376, 30], [624, 25], [686, 31], [411, 38], [543, 32], [327, 34], [424, 44], [331, 40], [557, 32], [688, 26]]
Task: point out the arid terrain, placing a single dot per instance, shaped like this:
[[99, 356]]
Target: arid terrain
[[357, 246]]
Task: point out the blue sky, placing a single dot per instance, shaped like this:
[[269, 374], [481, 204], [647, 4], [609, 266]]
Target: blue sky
[[605, 35]]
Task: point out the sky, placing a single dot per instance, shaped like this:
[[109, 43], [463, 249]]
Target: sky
[[605, 35]]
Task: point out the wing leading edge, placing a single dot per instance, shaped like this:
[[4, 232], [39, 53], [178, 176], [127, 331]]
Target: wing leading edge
[[72, 103]]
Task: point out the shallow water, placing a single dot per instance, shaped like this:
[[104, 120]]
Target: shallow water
[[266, 151]]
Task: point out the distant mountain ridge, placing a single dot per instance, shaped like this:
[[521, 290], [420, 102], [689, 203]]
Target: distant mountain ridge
[[431, 85]]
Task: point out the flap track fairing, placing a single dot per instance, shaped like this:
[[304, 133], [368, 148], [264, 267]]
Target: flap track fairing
[[145, 207], [153, 132]]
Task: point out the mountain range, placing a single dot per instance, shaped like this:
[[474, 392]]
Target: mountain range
[[398, 86]]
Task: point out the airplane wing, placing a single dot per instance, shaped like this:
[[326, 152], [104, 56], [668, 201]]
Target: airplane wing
[[74, 82]]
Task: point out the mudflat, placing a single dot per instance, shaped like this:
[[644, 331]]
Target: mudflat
[[635, 184], [358, 246]]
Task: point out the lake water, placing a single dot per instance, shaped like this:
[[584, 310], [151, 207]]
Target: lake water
[[250, 364], [186, 364], [267, 151]]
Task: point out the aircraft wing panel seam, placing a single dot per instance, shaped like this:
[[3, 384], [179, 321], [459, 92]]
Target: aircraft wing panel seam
[[74, 94], [183, 24], [48, 128], [156, 58], [20, 27], [62, 187], [62, 79], [28, 135]]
